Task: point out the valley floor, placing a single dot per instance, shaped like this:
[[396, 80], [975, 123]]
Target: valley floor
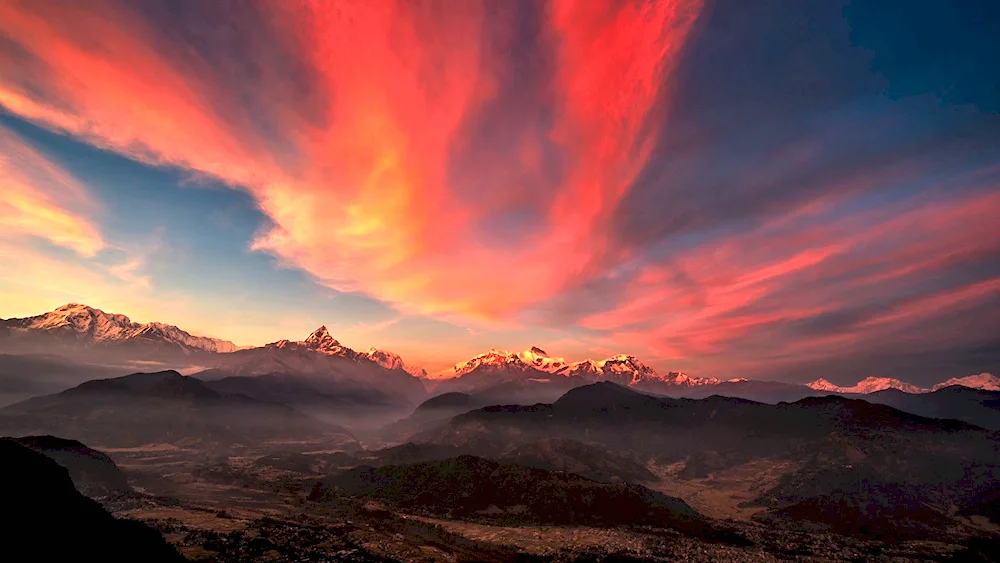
[[229, 509]]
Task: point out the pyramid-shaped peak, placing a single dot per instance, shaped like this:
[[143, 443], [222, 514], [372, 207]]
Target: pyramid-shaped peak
[[322, 336]]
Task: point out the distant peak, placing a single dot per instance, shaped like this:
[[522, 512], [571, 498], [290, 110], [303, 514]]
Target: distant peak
[[620, 358], [984, 381], [320, 332], [866, 386], [491, 359], [321, 339], [538, 351]]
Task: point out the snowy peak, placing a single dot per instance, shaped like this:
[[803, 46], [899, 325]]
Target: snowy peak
[[493, 359], [87, 325], [81, 321], [318, 341], [683, 379], [626, 369], [824, 385], [866, 385], [622, 368], [389, 360], [629, 370], [538, 359], [321, 341], [984, 381], [385, 359]]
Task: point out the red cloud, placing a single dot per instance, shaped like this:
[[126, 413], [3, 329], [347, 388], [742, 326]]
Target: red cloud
[[357, 187]]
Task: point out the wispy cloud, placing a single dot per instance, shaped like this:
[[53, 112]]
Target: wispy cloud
[[129, 273], [39, 199]]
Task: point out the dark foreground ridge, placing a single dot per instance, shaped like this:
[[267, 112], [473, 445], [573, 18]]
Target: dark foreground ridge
[[93, 473], [47, 519]]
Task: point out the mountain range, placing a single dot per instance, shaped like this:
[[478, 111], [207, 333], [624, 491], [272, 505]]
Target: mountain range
[[984, 381], [92, 336], [80, 325], [622, 368]]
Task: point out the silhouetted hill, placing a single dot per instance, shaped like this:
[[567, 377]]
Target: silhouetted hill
[[473, 487], [553, 454], [158, 407], [887, 511], [453, 400], [439, 409], [560, 454], [761, 391], [93, 473], [949, 462], [337, 401], [47, 519], [974, 406], [30, 375]]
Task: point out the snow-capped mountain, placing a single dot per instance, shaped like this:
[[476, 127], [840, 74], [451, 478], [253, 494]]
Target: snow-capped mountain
[[322, 342], [540, 360], [86, 326], [622, 368], [866, 385], [984, 381], [319, 341], [491, 360], [390, 360]]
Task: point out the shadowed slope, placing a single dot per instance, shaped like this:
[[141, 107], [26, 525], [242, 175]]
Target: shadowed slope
[[93, 473], [158, 407], [831, 444], [473, 487], [46, 519]]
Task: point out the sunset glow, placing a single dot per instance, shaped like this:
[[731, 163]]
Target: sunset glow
[[436, 178]]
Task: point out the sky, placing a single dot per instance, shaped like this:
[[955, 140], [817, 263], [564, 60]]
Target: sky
[[772, 189]]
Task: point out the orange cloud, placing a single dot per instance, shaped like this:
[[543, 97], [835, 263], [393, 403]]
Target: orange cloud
[[39, 199], [353, 168]]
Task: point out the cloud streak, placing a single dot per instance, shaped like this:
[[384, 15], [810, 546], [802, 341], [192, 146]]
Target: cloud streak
[[40, 200]]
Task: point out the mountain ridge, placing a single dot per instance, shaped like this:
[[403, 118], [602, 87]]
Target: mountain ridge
[[83, 327], [89, 325], [159, 407], [869, 385]]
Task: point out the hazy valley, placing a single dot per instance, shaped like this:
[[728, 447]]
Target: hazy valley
[[310, 451]]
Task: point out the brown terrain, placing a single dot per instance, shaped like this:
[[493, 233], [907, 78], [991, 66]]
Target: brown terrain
[[602, 474]]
